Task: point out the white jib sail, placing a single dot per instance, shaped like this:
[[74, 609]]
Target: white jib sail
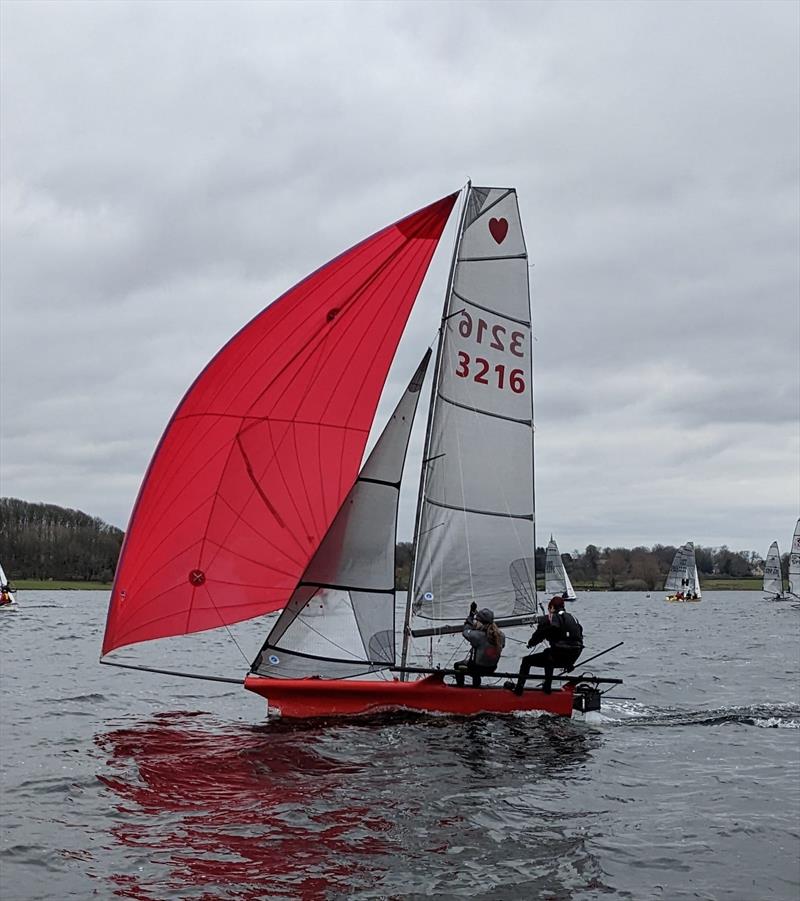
[[556, 579], [794, 562], [340, 621], [773, 579], [694, 578], [476, 518]]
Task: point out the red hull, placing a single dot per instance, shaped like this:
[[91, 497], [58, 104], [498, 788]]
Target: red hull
[[301, 698]]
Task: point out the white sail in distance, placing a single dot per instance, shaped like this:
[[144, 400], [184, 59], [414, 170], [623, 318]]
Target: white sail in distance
[[557, 580], [794, 562], [773, 578], [676, 579], [4, 583], [683, 575]]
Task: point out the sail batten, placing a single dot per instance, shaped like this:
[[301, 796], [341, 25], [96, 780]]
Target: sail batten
[[475, 410], [434, 503], [484, 309], [274, 431]]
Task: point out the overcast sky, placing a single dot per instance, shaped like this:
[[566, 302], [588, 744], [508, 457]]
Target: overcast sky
[[168, 169]]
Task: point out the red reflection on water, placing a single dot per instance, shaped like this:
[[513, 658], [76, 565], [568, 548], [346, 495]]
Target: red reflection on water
[[243, 814]]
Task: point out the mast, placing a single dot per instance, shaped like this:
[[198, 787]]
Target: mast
[[533, 430], [426, 445]]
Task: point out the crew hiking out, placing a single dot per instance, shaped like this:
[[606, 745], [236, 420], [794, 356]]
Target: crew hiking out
[[564, 634]]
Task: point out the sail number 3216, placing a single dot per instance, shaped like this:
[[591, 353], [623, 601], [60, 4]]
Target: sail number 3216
[[480, 374], [497, 338]]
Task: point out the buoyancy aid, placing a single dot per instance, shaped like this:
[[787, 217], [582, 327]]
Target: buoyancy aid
[[567, 631]]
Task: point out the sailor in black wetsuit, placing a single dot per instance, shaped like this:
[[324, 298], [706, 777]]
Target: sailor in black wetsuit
[[565, 635]]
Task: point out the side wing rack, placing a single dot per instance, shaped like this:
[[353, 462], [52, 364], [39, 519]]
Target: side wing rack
[[507, 622]]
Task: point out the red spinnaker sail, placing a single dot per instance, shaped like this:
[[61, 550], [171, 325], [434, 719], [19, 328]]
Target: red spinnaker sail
[[264, 447]]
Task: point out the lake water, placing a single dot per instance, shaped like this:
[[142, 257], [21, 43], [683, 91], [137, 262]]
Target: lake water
[[120, 784]]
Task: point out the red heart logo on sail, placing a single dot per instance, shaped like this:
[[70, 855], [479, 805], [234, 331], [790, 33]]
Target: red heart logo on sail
[[499, 229]]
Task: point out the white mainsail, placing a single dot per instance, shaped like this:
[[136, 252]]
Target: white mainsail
[[794, 562], [555, 575], [676, 579], [475, 520], [683, 574], [773, 578]]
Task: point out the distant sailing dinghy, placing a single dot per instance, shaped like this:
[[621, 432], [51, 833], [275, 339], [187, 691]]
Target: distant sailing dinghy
[[683, 582], [556, 578], [256, 501], [794, 564], [8, 598], [773, 577]]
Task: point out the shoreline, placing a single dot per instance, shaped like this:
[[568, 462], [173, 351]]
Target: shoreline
[[712, 585]]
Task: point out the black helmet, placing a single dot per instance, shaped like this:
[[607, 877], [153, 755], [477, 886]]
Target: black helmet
[[485, 616]]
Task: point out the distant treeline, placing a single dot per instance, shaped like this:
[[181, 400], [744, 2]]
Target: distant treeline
[[629, 568], [643, 567], [43, 541]]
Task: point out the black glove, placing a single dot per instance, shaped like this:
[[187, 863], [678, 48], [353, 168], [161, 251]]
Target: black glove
[[473, 608], [532, 643]]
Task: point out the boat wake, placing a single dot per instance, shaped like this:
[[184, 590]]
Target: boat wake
[[763, 716]]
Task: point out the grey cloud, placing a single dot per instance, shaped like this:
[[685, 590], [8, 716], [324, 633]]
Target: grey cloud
[[169, 169]]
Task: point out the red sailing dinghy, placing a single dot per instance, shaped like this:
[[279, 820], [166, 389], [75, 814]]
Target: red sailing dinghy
[[254, 503]]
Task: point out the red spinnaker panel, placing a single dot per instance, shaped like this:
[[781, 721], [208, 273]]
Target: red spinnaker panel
[[264, 447]]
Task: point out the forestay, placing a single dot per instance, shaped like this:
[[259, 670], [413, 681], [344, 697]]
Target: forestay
[[476, 516]]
